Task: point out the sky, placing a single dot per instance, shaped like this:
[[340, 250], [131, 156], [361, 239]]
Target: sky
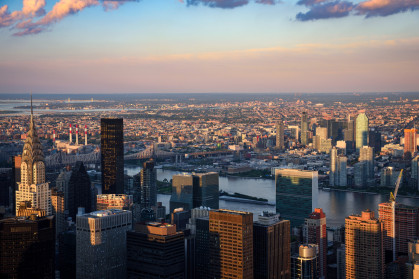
[[204, 46]]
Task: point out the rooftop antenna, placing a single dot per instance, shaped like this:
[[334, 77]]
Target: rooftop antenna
[[31, 104]]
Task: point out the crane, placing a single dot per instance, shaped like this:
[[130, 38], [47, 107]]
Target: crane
[[393, 208]]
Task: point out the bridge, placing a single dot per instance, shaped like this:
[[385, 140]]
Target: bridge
[[150, 152], [61, 159]]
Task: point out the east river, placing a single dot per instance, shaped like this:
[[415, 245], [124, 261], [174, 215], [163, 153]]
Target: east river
[[336, 204]]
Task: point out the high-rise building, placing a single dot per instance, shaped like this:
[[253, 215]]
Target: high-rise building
[[304, 129], [271, 247], [410, 142], [58, 209], [415, 170], [7, 187], [314, 232], [27, 247], [375, 140], [112, 201], [340, 262], [388, 177], [294, 131], [146, 191], [280, 144], [67, 253], [338, 174], [360, 175], [112, 155], [361, 131], [26, 210], [155, 250], [407, 218], [364, 252], [413, 262], [296, 194], [305, 263], [230, 244], [195, 190], [79, 192], [202, 248], [101, 249], [32, 186], [366, 154]]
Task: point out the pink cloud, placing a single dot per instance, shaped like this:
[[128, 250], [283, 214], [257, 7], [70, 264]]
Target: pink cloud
[[30, 9], [386, 7]]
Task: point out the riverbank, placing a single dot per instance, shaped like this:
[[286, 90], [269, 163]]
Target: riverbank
[[234, 199], [369, 192]]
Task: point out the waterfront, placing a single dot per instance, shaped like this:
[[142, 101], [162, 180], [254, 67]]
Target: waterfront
[[336, 204]]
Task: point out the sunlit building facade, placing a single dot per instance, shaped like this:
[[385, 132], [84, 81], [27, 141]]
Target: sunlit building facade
[[361, 133]]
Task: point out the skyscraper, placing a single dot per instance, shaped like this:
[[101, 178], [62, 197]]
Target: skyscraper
[[79, 190], [27, 247], [271, 247], [410, 142], [146, 191], [58, 209], [361, 135], [296, 194], [305, 263], [364, 246], [112, 201], [280, 135], [112, 155], [192, 191], [202, 248], [315, 233], [337, 175], [304, 129], [32, 186], [155, 250], [101, 247], [366, 154], [230, 244], [407, 218], [375, 140]]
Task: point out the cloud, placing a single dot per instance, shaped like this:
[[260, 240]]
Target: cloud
[[310, 2], [327, 10], [228, 4], [25, 23], [372, 8]]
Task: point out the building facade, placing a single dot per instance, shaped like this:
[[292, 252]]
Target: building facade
[[361, 133], [296, 194], [305, 263], [280, 143], [271, 247], [230, 244], [304, 129], [112, 201], [112, 155], [410, 141], [364, 251], [101, 247]]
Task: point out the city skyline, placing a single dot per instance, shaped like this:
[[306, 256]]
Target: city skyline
[[93, 46]]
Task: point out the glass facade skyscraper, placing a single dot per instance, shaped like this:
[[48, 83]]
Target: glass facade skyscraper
[[304, 129], [361, 136], [296, 194], [112, 156]]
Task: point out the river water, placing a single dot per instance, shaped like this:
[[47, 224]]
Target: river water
[[336, 204]]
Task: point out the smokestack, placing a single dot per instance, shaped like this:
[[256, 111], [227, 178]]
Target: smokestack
[[71, 135], [77, 134], [85, 134]]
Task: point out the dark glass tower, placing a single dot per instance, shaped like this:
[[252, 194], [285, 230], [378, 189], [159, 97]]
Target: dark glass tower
[[27, 247], [79, 190], [112, 159], [145, 194]]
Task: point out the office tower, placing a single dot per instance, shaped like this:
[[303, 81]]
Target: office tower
[[280, 144], [321, 132], [67, 253], [364, 252], [388, 177], [305, 263], [180, 218], [230, 244], [338, 174], [296, 194], [407, 218], [271, 247], [415, 167], [200, 212], [410, 142], [112, 201], [314, 232], [6, 187], [58, 210], [79, 190], [112, 155], [32, 186], [159, 211], [304, 129], [192, 191], [366, 154], [340, 262], [101, 249], [294, 130], [375, 140], [202, 247], [361, 131], [145, 193], [155, 250], [27, 247], [360, 175], [413, 263]]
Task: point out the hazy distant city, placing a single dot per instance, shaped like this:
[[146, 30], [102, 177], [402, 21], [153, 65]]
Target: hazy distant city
[[209, 185]]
